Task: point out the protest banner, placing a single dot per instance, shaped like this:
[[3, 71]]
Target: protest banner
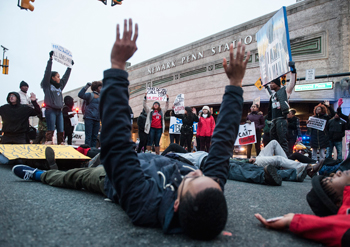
[[156, 94], [246, 134], [179, 104], [62, 55], [33, 151], [274, 47], [347, 143], [176, 123], [316, 123]]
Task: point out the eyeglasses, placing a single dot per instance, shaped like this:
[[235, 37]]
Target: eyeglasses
[[217, 180]]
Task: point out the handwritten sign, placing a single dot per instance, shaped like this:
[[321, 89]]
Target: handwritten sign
[[179, 104], [32, 151], [176, 124], [256, 101], [246, 134], [316, 123], [62, 55], [157, 94]]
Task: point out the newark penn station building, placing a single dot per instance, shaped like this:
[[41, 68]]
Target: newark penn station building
[[319, 36]]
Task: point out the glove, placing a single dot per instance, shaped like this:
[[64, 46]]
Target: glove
[[292, 66], [51, 54], [87, 85], [72, 62]]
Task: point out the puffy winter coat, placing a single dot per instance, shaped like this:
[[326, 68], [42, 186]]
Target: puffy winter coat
[[206, 126]]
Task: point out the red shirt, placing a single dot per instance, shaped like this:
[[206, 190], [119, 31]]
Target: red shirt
[[156, 120]]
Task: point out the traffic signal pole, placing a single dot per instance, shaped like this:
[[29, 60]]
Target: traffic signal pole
[[4, 64]]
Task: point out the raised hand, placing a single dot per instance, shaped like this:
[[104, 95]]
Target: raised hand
[[280, 224], [235, 70], [51, 54], [124, 47], [32, 97], [194, 111]]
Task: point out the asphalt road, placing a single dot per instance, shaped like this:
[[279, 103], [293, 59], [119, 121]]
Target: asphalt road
[[34, 214]]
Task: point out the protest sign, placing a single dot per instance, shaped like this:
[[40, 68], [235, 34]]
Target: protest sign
[[310, 75], [62, 55], [73, 120], [179, 104], [274, 47], [347, 142], [316, 123], [246, 134], [256, 101], [175, 126], [157, 94], [33, 151]]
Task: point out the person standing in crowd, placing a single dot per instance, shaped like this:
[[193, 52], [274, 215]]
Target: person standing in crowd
[[336, 131], [198, 138], [52, 86], [346, 118], [92, 111], [318, 138], [173, 137], [15, 119], [155, 124], [205, 129], [25, 99], [279, 108], [42, 128], [141, 121], [68, 128], [187, 127], [293, 129], [258, 119]]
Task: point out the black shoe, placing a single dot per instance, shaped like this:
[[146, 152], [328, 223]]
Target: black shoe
[[301, 176], [50, 159], [271, 176], [95, 161], [312, 170]]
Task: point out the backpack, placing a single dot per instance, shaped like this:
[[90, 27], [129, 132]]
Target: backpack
[[86, 103]]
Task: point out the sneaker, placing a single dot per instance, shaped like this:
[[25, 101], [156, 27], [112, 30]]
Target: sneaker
[[95, 161], [271, 176], [24, 172], [50, 159]]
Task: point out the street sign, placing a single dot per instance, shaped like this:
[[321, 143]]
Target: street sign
[[258, 84], [310, 75], [315, 86]]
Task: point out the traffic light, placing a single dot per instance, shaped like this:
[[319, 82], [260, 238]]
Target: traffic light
[[115, 2], [25, 4], [283, 80], [5, 66], [103, 1]]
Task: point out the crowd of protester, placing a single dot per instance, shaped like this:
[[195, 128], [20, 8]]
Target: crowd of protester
[[193, 182]]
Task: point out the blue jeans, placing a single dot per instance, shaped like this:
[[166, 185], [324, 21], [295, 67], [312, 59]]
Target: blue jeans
[[338, 147], [54, 118], [154, 137], [91, 131]]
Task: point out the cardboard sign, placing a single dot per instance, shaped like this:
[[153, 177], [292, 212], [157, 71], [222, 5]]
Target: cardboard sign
[[316, 123], [246, 134], [62, 55], [274, 47], [179, 104], [37, 151], [256, 101], [176, 123], [310, 75], [347, 141], [156, 94]]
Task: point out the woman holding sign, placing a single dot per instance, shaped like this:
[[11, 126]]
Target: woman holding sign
[[154, 123], [52, 86], [319, 139]]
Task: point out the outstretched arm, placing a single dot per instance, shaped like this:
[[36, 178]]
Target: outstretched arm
[[291, 84], [225, 133]]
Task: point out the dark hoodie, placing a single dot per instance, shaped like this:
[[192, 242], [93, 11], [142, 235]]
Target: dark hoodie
[[141, 121], [15, 117], [68, 107]]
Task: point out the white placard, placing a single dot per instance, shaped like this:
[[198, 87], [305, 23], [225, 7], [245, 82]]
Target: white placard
[[246, 134], [62, 55], [176, 123], [257, 101], [310, 75], [74, 119], [156, 94], [43, 112], [179, 104], [316, 123]]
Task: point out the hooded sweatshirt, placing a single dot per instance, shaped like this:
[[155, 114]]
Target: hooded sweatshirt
[[15, 117]]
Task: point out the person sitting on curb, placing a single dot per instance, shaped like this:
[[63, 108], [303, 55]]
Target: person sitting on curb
[[153, 190], [329, 199]]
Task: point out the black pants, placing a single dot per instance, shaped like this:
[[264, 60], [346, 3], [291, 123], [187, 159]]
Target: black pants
[[175, 137], [186, 140], [143, 141], [257, 145], [291, 142], [68, 133], [266, 138], [205, 143], [301, 158], [175, 148], [279, 128], [198, 139], [14, 139]]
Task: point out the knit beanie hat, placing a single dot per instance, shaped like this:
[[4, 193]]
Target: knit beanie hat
[[206, 108], [23, 83], [319, 201], [277, 81], [156, 102]]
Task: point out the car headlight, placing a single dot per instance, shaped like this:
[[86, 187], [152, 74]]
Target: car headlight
[[242, 148]]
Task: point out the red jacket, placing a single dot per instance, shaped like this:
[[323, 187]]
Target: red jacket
[[331, 230], [206, 126]]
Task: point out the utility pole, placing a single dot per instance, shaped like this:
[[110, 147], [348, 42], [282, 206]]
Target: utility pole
[[5, 62]]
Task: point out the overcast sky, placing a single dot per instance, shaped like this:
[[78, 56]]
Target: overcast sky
[[87, 28]]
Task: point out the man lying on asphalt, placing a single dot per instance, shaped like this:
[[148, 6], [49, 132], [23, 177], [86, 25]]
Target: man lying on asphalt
[[157, 191]]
